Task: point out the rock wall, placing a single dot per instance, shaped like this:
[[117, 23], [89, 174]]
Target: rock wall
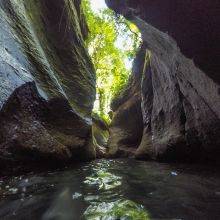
[[47, 82], [180, 102]]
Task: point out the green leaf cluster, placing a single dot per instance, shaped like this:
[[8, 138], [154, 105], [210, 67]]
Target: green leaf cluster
[[111, 42]]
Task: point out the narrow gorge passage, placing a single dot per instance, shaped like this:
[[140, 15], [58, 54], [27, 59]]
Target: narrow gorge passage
[[113, 43], [109, 109]]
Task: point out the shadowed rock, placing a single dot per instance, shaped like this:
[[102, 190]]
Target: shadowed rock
[[180, 103]]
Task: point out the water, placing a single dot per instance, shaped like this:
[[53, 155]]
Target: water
[[114, 189]]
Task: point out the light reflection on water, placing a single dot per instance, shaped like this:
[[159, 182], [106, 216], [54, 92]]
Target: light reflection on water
[[103, 180], [112, 190], [120, 209], [115, 208]]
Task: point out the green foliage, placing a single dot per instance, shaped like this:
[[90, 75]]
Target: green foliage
[[111, 42]]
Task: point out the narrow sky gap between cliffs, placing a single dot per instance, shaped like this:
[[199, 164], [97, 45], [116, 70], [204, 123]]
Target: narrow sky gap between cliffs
[[112, 44]]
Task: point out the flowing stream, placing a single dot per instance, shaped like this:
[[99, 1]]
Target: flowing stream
[[123, 189]]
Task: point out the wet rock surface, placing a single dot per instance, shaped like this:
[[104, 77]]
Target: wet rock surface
[[47, 82], [113, 189], [180, 102]]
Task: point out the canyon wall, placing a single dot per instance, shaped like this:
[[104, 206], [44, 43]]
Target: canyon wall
[[179, 82], [47, 82], [170, 110]]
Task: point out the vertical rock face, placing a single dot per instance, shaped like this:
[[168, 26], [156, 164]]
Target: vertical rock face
[[47, 81], [180, 102]]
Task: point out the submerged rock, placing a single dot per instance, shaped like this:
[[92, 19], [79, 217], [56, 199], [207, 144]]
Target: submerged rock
[[180, 103], [47, 82]]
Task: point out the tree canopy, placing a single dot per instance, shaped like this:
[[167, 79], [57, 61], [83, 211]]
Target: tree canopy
[[112, 45]]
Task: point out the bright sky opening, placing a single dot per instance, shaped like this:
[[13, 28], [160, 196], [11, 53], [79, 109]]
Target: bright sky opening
[[98, 5], [124, 42]]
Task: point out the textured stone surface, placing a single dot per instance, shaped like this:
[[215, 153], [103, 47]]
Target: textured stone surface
[[47, 81], [180, 103]]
